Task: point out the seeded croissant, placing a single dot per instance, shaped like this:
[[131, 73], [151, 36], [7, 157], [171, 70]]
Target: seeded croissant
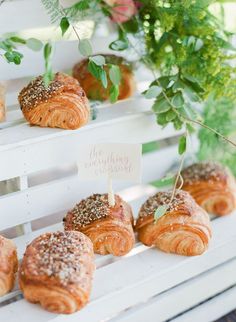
[[212, 186], [185, 228], [56, 271], [62, 104], [8, 265], [93, 87], [109, 228]]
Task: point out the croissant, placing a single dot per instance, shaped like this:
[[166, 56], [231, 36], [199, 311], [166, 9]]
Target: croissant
[[212, 186], [93, 87], [56, 271], [109, 228], [62, 104], [184, 229], [8, 265]]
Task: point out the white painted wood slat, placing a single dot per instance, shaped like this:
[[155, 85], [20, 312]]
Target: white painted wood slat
[[144, 275], [183, 297], [211, 310], [41, 148], [34, 202]]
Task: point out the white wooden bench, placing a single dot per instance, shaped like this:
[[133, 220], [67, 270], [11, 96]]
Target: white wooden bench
[[146, 285]]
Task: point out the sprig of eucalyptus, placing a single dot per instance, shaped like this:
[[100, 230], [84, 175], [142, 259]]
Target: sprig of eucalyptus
[[9, 47]]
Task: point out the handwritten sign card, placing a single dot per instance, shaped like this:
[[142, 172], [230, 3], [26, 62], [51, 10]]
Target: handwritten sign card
[[119, 161]]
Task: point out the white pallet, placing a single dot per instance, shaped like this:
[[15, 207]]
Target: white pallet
[[145, 285]]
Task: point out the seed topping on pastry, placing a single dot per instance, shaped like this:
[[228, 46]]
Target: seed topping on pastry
[[36, 92], [58, 255], [207, 171], [163, 198], [90, 209]]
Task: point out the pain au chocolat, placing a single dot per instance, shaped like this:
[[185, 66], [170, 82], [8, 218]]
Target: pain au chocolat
[[62, 104], [93, 87], [109, 228], [185, 228], [57, 270], [8, 265], [212, 186]]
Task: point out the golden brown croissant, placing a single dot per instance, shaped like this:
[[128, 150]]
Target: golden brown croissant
[[184, 229], [8, 265], [109, 228], [56, 271], [212, 186], [62, 104], [94, 89]]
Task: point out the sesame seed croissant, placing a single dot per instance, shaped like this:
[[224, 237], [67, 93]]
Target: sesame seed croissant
[[57, 270], [184, 229], [109, 228], [63, 104], [93, 87], [8, 265], [212, 186]]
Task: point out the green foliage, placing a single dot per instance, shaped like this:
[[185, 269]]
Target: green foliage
[[182, 144], [221, 115], [161, 211], [10, 51], [85, 47], [64, 25], [48, 52]]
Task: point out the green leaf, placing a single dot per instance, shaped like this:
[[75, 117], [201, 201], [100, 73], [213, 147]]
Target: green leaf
[[47, 51], [13, 57], [98, 60], [115, 75], [152, 92], [85, 47], [177, 100], [161, 105], [103, 78], [82, 5], [94, 69], [114, 93], [170, 115], [182, 144], [119, 45], [18, 40], [161, 211], [34, 44], [64, 25], [163, 182], [177, 123], [161, 119]]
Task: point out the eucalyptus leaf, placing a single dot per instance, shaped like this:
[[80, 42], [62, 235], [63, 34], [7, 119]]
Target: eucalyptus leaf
[[17, 40], [13, 57], [152, 92], [166, 181], [64, 25], [115, 75], [85, 47], [34, 44], [182, 144], [161, 211], [94, 69], [98, 60], [103, 78], [119, 45], [114, 93]]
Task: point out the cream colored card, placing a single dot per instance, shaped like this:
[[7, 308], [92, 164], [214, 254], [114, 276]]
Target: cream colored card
[[117, 160]]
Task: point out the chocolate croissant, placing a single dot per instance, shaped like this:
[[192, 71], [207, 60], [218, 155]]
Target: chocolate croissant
[[109, 228], [184, 229], [93, 87], [56, 271], [8, 265], [62, 104], [212, 186]]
